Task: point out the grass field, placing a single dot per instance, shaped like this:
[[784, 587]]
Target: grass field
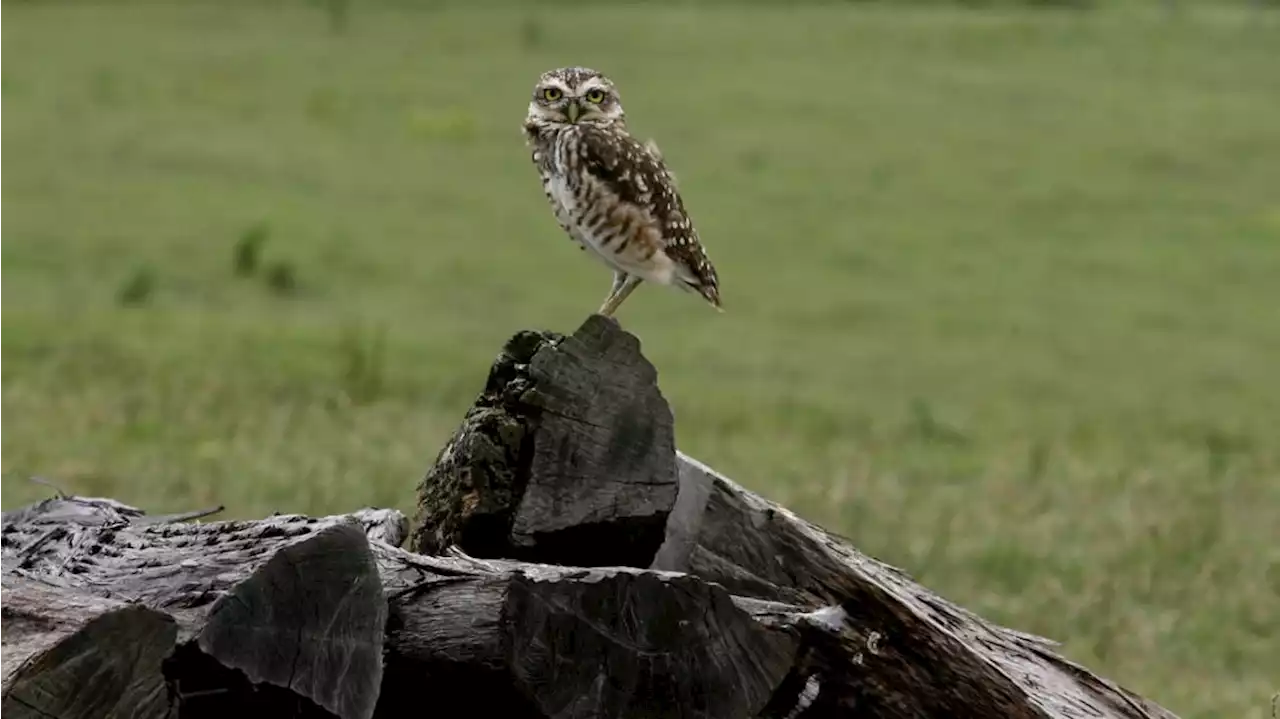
[[1002, 289]]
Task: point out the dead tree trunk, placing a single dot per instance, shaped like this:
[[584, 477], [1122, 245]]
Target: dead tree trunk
[[567, 561], [565, 458]]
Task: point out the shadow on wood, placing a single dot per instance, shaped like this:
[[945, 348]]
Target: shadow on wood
[[567, 561]]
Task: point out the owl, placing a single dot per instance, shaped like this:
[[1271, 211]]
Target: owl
[[610, 192]]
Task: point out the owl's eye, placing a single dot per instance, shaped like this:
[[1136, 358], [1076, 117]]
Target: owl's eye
[[551, 94], [595, 96]]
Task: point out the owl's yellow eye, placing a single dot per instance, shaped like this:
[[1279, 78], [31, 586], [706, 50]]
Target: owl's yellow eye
[[551, 94], [595, 96]]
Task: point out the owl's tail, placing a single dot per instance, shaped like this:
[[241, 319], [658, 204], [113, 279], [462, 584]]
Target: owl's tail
[[704, 285], [710, 293]]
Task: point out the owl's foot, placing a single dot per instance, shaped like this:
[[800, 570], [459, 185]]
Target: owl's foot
[[623, 286]]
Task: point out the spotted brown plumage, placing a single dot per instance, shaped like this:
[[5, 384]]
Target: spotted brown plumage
[[610, 192]]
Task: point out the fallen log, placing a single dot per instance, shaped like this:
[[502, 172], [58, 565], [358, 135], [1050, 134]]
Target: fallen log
[[108, 615], [515, 475], [565, 560]]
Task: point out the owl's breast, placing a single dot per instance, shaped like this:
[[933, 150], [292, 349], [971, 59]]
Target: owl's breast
[[621, 234], [572, 209]]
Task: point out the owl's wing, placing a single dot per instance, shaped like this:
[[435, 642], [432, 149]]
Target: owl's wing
[[638, 176], [652, 146], [629, 169]]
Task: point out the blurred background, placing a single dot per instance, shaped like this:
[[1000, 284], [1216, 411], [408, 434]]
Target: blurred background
[[1002, 280]]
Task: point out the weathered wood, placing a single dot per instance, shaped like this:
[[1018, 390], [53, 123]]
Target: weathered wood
[[312, 619], [569, 453], [681, 593], [76, 655], [934, 656], [308, 617], [525, 640], [290, 602], [917, 653]]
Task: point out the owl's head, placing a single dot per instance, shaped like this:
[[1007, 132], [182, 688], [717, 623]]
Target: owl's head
[[575, 95]]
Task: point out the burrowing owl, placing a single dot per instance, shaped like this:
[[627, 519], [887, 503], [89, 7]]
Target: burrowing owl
[[610, 192]]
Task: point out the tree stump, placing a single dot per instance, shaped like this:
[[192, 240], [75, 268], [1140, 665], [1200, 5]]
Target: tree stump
[[568, 455]]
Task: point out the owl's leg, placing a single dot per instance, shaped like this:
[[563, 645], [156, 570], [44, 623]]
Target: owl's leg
[[619, 279], [623, 285]]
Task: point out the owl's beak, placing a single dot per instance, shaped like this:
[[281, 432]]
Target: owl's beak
[[573, 110]]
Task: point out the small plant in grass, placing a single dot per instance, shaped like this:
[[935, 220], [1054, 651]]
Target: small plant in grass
[[282, 278], [531, 33], [363, 364], [248, 249], [137, 287], [925, 426], [337, 12]]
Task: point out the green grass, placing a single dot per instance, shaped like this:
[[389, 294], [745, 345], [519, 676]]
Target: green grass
[[1001, 287]]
